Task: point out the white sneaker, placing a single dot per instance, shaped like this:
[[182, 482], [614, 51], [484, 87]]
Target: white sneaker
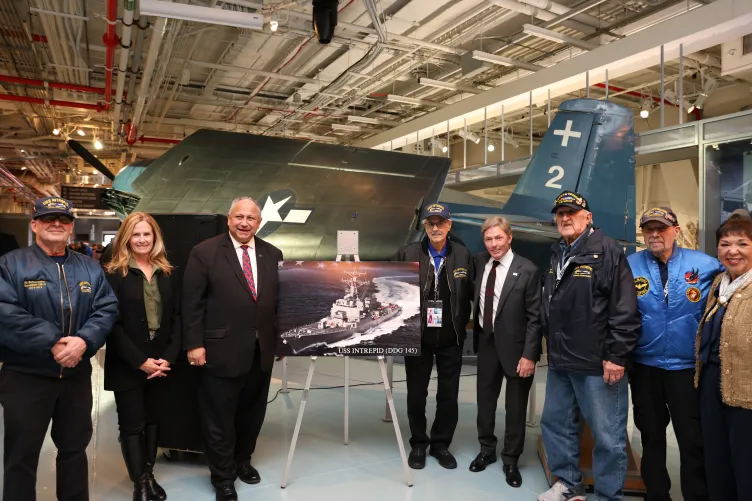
[[560, 492]]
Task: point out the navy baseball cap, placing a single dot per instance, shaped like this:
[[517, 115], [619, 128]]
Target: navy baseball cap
[[440, 210], [661, 214], [570, 199], [52, 205]]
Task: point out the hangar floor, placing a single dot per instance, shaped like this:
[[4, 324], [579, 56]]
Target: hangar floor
[[368, 469]]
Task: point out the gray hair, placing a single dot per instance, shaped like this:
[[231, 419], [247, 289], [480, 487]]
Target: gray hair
[[499, 221], [240, 199]]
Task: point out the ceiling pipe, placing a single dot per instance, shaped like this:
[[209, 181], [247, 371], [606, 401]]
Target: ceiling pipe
[[125, 41], [143, 90], [696, 113], [704, 58], [52, 102], [543, 15], [111, 41], [20, 34], [52, 85], [163, 140], [558, 9]]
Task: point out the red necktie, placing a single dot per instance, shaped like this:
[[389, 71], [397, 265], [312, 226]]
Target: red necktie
[[488, 317], [248, 270]]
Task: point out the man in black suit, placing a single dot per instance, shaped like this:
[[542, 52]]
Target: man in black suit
[[230, 294], [507, 338]]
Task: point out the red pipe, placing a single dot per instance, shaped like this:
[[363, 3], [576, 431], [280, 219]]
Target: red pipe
[[130, 133], [51, 102], [20, 34], [111, 41], [162, 140], [52, 85]]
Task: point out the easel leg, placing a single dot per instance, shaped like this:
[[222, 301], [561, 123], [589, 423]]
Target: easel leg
[[531, 404], [390, 374], [347, 400], [284, 376], [306, 391], [390, 401]]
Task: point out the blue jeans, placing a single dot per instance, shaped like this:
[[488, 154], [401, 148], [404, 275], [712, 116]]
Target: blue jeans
[[605, 408]]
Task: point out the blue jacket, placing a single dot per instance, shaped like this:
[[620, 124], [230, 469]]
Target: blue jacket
[[41, 302], [667, 336]]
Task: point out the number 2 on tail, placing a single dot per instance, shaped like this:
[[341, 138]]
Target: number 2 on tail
[[559, 173]]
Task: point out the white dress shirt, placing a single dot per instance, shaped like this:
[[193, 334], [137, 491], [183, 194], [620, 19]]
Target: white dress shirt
[[251, 254], [501, 275]]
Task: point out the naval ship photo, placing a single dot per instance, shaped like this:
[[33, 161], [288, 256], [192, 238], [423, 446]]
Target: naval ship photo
[[349, 308]]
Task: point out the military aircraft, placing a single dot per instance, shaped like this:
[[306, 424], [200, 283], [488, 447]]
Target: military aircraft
[[308, 191]]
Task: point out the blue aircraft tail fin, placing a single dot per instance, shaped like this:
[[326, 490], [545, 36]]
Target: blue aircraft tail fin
[[589, 148]]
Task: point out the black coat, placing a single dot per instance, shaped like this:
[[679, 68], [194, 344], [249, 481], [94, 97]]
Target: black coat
[[517, 327], [219, 310], [592, 315], [459, 272], [128, 347]]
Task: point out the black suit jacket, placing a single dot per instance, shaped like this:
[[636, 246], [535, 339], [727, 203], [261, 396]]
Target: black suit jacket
[[128, 345], [217, 303], [517, 327]]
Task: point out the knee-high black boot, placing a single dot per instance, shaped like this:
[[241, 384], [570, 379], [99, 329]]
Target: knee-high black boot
[[135, 461], [156, 492]]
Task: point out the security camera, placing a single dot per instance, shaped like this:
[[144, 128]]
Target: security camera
[[325, 19]]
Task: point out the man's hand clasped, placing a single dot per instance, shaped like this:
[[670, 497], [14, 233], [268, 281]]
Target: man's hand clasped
[[68, 351], [197, 356], [612, 373]]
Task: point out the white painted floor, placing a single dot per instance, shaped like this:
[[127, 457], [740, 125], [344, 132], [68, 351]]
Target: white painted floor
[[368, 469]]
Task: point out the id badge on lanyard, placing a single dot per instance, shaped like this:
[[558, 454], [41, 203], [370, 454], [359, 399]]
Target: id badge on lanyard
[[560, 271], [433, 308]]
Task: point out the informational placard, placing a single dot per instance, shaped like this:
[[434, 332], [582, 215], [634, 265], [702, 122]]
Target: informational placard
[[84, 197], [349, 308]]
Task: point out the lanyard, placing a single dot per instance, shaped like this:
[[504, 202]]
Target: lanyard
[[436, 273], [560, 270]]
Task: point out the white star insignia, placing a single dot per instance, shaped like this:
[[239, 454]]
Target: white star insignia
[[280, 264]]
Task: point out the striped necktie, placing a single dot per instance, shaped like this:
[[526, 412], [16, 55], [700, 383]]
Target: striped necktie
[[248, 270]]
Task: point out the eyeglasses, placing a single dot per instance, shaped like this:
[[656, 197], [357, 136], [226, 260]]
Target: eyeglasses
[[437, 224], [51, 218]]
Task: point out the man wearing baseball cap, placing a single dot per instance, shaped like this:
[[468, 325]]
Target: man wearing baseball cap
[[591, 324], [56, 310], [446, 284], [672, 284]]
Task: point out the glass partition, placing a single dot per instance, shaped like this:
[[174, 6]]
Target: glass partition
[[728, 184]]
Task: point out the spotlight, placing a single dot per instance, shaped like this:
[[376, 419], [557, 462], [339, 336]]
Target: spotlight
[[56, 131], [491, 147], [98, 144], [647, 105], [273, 25], [81, 132], [440, 144], [325, 19]]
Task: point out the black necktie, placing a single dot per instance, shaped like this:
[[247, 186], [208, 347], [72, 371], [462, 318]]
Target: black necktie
[[489, 303]]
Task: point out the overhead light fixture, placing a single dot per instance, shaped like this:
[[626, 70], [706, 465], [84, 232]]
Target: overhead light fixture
[[81, 132], [274, 22], [672, 98], [447, 85], [186, 12], [491, 147], [438, 143], [411, 100], [553, 36], [505, 61], [647, 105], [56, 131], [349, 128], [470, 136], [324, 19], [97, 144], [510, 140], [371, 120], [24, 167], [708, 87]]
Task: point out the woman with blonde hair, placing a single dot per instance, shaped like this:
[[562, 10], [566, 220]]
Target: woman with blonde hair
[[143, 343], [724, 367]]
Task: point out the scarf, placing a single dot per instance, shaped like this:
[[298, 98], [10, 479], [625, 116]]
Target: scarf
[[727, 288]]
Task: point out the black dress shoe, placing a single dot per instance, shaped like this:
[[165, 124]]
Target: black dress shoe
[[248, 474], [446, 460], [513, 475], [417, 458], [481, 461], [226, 493]]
